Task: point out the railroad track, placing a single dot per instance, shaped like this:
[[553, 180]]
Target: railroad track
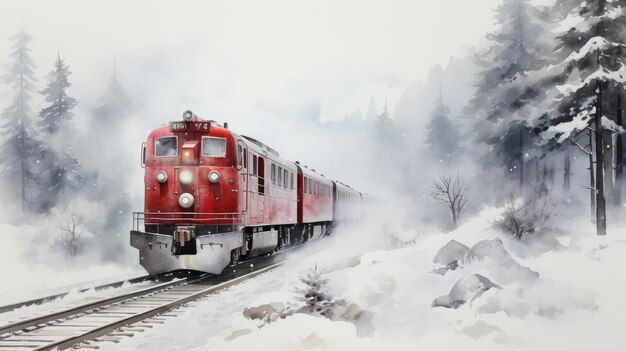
[[112, 318], [40, 300]]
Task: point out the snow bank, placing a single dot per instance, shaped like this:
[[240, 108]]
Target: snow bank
[[524, 296], [34, 266], [539, 302]]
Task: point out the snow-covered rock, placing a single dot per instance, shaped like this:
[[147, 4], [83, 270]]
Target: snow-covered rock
[[452, 252], [501, 264], [465, 290]]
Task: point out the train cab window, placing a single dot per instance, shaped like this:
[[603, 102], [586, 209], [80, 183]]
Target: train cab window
[[166, 146], [245, 158], [239, 157], [279, 179], [306, 185], [254, 165], [273, 173], [143, 154], [291, 180], [215, 147]]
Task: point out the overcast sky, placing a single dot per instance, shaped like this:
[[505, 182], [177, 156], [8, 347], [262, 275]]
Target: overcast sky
[[268, 67], [334, 53]]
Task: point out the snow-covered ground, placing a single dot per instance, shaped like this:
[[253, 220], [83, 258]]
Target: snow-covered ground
[[33, 267], [556, 293]]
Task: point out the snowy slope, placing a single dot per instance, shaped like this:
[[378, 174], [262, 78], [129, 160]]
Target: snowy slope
[[557, 293]]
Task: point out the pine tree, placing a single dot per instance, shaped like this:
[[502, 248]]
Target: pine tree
[[63, 168], [591, 59], [520, 45], [442, 136], [59, 112], [115, 104], [115, 107], [384, 124], [314, 295], [21, 148]]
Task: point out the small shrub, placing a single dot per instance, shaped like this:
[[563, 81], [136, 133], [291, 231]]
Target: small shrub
[[524, 217]]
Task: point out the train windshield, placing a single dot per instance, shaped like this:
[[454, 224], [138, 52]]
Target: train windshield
[[166, 146], [213, 147]]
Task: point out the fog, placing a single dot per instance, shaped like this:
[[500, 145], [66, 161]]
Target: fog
[[280, 71], [312, 80]]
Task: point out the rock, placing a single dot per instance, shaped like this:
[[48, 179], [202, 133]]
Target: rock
[[268, 312], [493, 249], [465, 289], [443, 270], [237, 333], [507, 270], [451, 253]]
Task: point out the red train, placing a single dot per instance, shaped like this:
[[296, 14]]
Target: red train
[[213, 197]]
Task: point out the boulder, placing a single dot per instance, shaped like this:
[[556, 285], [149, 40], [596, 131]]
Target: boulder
[[465, 290], [451, 253]]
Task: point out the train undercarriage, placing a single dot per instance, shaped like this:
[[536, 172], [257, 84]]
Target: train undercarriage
[[170, 248]]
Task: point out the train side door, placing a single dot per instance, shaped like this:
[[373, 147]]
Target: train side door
[[242, 167], [261, 190]]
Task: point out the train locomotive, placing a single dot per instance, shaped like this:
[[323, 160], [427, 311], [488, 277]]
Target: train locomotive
[[213, 198]]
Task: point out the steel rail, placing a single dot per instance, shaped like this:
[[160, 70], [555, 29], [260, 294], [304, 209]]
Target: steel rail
[[35, 321], [103, 330], [40, 300]]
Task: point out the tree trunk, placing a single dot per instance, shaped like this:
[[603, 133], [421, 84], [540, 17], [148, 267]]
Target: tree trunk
[[22, 135], [600, 200], [619, 156], [454, 218], [566, 171], [592, 181], [609, 168], [521, 161], [550, 170]]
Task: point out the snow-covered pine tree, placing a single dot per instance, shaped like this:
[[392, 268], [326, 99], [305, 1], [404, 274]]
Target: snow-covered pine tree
[[590, 62], [21, 148], [62, 166], [520, 45], [442, 136], [314, 295]]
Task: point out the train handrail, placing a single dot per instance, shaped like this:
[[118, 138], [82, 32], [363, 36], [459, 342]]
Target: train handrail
[[231, 218]]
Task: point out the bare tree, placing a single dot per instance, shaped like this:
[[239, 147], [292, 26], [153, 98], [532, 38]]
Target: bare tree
[[452, 191], [72, 234]]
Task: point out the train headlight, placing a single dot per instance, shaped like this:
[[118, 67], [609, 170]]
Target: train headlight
[[161, 177], [214, 177], [185, 177], [186, 200], [188, 116]]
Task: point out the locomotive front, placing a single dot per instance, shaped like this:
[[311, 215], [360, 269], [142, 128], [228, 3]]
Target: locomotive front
[[191, 219]]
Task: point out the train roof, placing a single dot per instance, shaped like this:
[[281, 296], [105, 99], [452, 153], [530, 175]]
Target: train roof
[[261, 145]]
